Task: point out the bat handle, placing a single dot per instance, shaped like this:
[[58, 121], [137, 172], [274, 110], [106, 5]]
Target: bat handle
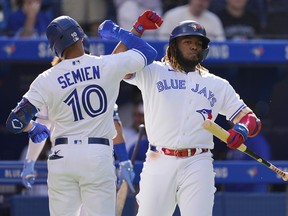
[[136, 148]]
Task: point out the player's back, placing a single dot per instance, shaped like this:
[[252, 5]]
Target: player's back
[[80, 95]]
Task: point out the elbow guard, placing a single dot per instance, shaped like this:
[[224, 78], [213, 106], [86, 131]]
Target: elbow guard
[[21, 116], [253, 124]]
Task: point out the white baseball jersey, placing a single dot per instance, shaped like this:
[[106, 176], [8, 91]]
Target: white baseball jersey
[[80, 93], [176, 105]]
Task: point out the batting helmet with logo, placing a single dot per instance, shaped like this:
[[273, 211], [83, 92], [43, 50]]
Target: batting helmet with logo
[[63, 32], [192, 28]]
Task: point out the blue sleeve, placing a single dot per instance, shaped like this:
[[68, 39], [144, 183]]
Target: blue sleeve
[[134, 42]]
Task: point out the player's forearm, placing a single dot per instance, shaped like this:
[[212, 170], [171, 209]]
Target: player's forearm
[[119, 137], [241, 114], [34, 150], [121, 46]]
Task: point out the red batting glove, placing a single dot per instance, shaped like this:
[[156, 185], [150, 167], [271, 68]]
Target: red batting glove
[[238, 135], [148, 20], [234, 140]]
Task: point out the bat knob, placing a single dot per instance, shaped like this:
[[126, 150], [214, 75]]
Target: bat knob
[[285, 178]]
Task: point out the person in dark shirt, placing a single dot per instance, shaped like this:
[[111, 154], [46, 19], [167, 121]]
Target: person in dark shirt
[[238, 22]]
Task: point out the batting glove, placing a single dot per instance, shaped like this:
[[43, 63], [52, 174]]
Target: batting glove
[[238, 135], [148, 20], [126, 173], [28, 174], [38, 132]]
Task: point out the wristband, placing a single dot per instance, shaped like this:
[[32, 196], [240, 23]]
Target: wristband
[[121, 152], [139, 27], [241, 129]]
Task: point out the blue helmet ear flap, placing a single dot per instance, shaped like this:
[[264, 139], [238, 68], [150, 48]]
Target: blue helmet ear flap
[[62, 32], [203, 54]]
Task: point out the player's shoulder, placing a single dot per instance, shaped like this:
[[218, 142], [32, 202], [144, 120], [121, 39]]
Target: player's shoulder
[[211, 16], [210, 76], [45, 73], [158, 67]]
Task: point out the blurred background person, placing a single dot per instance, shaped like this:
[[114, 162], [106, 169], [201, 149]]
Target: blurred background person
[[277, 12], [29, 20], [128, 11], [195, 10], [238, 22], [4, 12], [142, 148], [131, 131], [88, 13], [169, 4]]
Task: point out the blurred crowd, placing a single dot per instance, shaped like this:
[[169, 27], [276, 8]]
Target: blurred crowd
[[222, 19]]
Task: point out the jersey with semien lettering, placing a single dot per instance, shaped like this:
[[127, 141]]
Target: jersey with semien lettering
[[176, 105], [80, 93]]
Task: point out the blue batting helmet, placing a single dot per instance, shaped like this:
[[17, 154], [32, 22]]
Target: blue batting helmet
[[192, 28], [62, 32]]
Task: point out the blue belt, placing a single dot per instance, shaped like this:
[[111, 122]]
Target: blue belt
[[91, 140]]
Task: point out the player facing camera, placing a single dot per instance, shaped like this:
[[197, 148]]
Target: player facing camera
[[190, 31]]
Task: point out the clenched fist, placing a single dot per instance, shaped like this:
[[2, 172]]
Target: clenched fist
[[148, 20]]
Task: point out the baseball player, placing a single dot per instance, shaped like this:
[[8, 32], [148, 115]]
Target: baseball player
[[178, 95], [80, 94], [126, 171]]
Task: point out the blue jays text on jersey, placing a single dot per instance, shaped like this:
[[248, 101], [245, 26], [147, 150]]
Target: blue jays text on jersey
[[79, 75], [181, 84]]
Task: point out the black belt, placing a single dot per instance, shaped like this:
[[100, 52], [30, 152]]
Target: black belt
[[91, 140]]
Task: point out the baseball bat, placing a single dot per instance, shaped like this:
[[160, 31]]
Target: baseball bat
[[123, 190], [223, 135]]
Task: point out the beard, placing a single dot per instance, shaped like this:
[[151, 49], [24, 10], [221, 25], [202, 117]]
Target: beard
[[186, 64]]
